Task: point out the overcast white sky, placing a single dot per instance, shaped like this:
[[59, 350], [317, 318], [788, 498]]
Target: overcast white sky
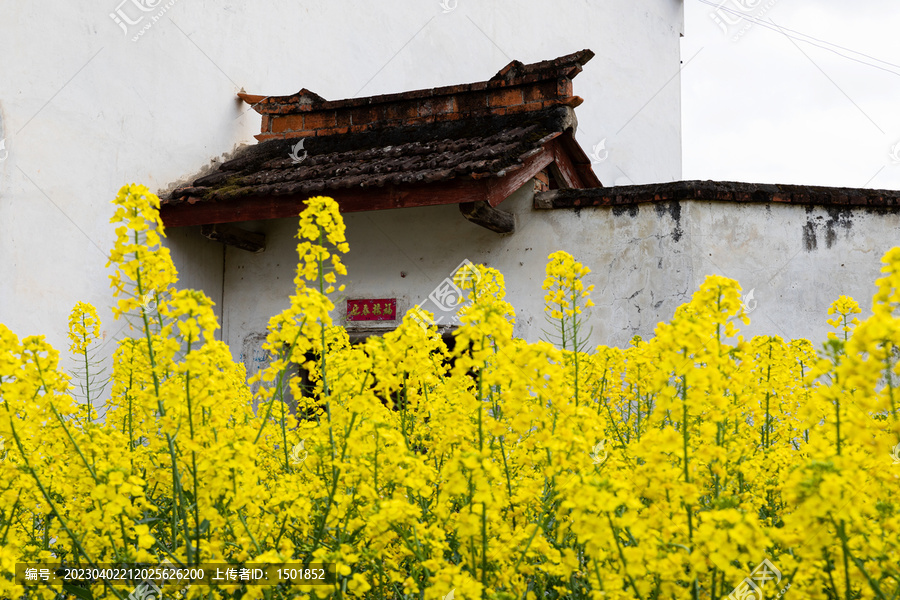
[[766, 108]]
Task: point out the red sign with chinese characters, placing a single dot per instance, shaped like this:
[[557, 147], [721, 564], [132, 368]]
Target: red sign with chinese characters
[[383, 309]]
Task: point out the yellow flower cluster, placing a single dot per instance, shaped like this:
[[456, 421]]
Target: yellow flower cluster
[[144, 268], [565, 286], [84, 331], [497, 470], [844, 307], [84, 327]]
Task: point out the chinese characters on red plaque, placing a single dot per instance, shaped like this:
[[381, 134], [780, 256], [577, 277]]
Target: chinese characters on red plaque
[[383, 309]]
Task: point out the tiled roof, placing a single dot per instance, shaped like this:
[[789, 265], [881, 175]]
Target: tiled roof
[[721, 191], [486, 147], [381, 151]]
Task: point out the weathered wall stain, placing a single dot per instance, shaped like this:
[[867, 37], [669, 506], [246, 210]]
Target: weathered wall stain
[[632, 210], [676, 214], [809, 235], [838, 218]]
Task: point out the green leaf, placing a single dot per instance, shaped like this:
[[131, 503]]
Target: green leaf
[[80, 592]]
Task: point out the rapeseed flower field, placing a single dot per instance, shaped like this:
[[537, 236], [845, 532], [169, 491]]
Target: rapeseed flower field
[[695, 464]]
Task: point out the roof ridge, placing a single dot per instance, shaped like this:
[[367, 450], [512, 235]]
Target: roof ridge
[[513, 74], [570, 63]]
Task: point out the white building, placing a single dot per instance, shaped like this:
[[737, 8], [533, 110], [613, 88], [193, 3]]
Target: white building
[[96, 95], [147, 91]]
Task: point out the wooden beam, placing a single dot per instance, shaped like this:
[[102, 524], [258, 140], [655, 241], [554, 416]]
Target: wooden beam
[[571, 169], [501, 189], [563, 170], [258, 208], [235, 236], [572, 154], [482, 213]]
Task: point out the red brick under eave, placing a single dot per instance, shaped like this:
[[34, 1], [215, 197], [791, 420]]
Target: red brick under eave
[[465, 101]]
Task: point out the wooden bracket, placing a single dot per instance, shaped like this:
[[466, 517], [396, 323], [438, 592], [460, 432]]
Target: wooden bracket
[[234, 236], [482, 213]]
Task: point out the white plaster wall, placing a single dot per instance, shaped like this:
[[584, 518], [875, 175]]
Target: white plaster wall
[[797, 260], [646, 261], [83, 109]]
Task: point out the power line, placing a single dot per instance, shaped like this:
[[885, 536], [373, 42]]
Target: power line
[[799, 36]]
